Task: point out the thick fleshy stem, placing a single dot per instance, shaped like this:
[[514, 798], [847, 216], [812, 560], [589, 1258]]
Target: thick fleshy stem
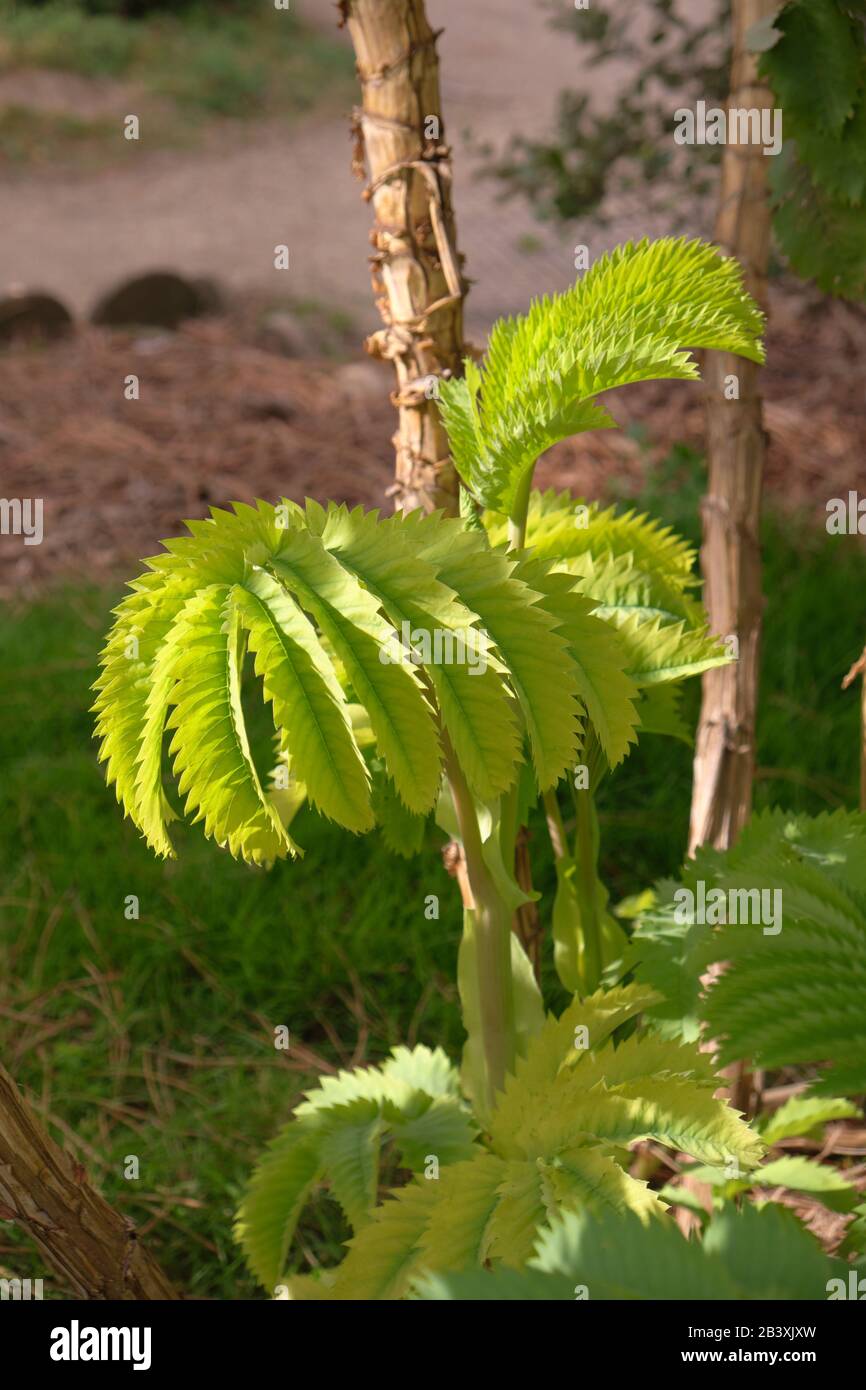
[[519, 512], [586, 882], [488, 927], [586, 874]]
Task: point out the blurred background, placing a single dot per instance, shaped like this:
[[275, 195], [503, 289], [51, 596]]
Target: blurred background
[[154, 1036]]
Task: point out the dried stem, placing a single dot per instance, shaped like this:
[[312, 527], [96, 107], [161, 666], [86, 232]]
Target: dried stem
[[417, 270], [90, 1245]]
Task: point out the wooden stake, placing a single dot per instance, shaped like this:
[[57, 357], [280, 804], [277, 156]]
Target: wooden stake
[[730, 557], [417, 270]]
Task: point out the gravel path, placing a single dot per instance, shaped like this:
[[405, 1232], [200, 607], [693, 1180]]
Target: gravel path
[[220, 210]]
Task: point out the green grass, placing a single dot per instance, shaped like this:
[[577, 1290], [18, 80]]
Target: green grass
[[153, 1037], [34, 137], [203, 64], [64, 36]]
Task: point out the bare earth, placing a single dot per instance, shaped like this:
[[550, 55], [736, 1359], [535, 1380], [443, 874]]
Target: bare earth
[[220, 418]]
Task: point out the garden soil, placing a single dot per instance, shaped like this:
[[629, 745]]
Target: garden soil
[[220, 418]]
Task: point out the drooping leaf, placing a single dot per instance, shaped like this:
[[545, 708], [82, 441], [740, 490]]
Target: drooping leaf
[[473, 701], [308, 701], [389, 690], [210, 749], [525, 631], [604, 686], [369, 636]]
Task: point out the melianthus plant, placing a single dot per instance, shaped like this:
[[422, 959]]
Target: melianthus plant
[[793, 996], [585, 620], [750, 1253]]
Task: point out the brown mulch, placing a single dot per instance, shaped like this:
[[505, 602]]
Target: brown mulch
[[221, 419], [217, 420]]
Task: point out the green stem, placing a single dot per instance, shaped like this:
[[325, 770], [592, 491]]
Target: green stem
[[488, 926], [508, 826], [555, 826], [586, 859], [519, 512]]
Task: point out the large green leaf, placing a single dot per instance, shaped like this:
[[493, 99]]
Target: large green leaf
[[390, 691], [284, 1179], [791, 993], [628, 319], [396, 629], [349, 1148], [606, 689], [525, 630], [557, 1138], [639, 625], [817, 70], [212, 760], [336, 1135], [308, 701], [755, 1253], [474, 703]]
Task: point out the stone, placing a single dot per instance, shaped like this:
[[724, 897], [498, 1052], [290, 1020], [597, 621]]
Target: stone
[[33, 315], [159, 299]]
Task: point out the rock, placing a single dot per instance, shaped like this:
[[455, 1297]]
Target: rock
[[282, 332], [160, 299], [211, 295], [33, 316]]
